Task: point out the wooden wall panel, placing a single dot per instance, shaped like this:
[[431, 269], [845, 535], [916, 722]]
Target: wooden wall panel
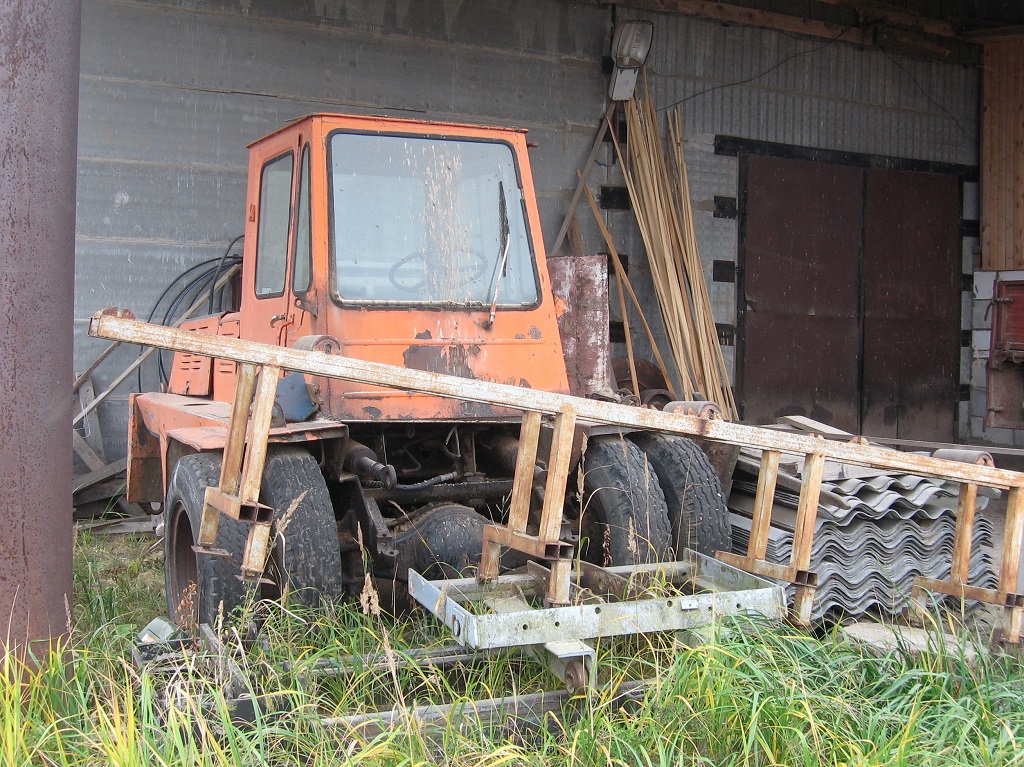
[[1002, 156]]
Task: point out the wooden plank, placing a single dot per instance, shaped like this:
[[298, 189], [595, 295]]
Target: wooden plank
[[85, 452], [1009, 566], [965, 511], [809, 425], [1002, 179], [582, 183], [259, 431], [92, 368], [595, 411], [98, 475], [807, 511], [732, 14], [93, 433], [1017, 151], [234, 442], [559, 463], [140, 526], [526, 461], [764, 499]]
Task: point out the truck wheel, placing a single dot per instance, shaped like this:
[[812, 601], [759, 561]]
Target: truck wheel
[[693, 492], [195, 583], [306, 558], [305, 561], [624, 518]]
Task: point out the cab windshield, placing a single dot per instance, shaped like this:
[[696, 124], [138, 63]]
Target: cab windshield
[[428, 221]]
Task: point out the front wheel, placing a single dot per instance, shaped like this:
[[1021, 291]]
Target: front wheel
[[305, 559], [200, 587], [624, 519]]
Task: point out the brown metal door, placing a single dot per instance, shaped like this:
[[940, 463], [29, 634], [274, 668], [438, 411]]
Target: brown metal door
[[799, 313], [911, 305]]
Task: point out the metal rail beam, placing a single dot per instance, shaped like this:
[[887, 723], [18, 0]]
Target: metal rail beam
[[125, 328]]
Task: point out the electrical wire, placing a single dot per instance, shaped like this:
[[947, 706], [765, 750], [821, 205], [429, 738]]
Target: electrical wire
[[925, 93], [189, 285], [770, 69]]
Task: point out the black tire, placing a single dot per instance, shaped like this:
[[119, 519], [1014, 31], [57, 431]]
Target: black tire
[[306, 560], [624, 519], [693, 492], [305, 563], [219, 590]]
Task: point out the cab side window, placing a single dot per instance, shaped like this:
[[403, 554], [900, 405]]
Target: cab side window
[[303, 268], [275, 218]]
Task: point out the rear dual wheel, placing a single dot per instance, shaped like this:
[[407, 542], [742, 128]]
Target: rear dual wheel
[[647, 498], [305, 561]]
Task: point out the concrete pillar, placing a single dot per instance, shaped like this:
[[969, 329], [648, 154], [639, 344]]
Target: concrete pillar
[[39, 42]]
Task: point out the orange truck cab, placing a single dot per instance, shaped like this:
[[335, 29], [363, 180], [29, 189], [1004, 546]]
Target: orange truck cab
[[405, 242]]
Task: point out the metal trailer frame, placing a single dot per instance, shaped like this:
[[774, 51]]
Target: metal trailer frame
[[242, 469]]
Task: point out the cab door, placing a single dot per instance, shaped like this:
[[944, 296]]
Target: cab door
[[277, 274]]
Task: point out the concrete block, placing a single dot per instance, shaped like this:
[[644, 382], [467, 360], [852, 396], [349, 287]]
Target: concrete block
[[1018, 440], [981, 315], [965, 365], [967, 254], [979, 372], [977, 427], [970, 201], [966, 310], [983, 282], [999, 436], [982, 340], [963, 419], [978, 402]]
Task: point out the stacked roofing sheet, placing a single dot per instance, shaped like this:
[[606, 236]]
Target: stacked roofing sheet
[[874, 534]]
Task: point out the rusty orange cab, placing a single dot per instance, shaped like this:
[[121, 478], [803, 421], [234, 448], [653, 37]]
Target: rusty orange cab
[[405, 242]]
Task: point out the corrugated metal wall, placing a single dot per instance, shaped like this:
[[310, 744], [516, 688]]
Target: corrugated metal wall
[[171, 92]]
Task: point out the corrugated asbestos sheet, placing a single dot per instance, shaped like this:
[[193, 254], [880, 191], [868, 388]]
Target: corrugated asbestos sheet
[[874, 534]]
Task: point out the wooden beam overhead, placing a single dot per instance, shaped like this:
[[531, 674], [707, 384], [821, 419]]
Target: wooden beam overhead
[[872, 10], [733, 14]]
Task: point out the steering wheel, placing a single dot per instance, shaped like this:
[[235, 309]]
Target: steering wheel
[[470, 263]]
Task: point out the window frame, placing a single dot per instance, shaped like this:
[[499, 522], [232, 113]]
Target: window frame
[[259, 227], [426, 305], [305, 169]]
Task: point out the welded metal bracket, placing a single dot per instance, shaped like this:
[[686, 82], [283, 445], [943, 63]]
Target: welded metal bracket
[[604, 602]]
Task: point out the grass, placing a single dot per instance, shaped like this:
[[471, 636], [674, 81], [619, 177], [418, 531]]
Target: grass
[[754, 694]]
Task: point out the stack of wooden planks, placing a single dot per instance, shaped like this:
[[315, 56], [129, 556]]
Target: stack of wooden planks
[[655, 174]]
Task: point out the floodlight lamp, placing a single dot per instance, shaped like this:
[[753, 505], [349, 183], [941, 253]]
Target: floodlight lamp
[[630, 48]]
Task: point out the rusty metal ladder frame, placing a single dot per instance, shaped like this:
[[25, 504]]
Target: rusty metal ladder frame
[[241, 471], [238, 492]]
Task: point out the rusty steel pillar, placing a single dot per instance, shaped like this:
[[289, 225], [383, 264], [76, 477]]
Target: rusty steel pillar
[[39, 43]]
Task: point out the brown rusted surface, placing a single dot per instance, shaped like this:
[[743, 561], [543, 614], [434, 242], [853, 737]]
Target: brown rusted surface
[[581, 284], [911, 280], [39, 45], [798, 318], [145, 473]]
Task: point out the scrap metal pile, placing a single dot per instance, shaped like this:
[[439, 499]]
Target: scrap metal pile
[[874, 533]]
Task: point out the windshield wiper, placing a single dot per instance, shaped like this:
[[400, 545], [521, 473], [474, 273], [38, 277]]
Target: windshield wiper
[[499, 268]]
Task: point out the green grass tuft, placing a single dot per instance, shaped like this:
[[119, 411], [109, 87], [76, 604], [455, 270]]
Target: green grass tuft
[[751, 694]]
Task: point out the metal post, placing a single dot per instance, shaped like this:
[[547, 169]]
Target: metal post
[[39, 44]]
